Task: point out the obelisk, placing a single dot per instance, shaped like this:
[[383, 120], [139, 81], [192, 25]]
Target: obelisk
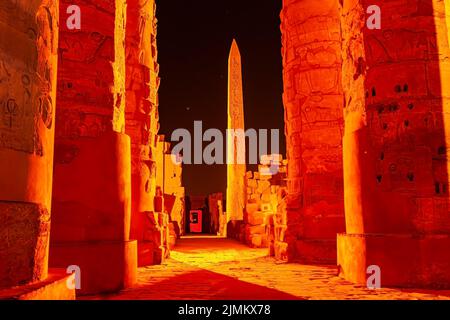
[[236, 168]]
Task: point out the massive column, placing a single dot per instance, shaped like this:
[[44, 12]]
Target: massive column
[[236, 168], [314, 123], [396, 164], [28, 67], [92, 180], [142, 124]]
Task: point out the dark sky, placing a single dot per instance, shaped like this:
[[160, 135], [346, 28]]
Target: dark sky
[[194, 39]]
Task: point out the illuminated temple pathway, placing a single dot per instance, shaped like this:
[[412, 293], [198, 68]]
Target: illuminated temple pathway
[[213, 268]]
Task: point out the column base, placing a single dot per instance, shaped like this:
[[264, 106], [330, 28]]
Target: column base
[[405, 261], [105, 266], [315, 251], [53, 288]]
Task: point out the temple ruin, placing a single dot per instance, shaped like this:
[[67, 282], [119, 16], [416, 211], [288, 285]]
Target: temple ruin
[[87, 180]]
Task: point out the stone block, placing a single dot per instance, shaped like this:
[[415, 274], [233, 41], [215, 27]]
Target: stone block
[[256, 218], [256, 241], [405, 261], [106, 267], [259, 229], [316, 251], [54, 287]]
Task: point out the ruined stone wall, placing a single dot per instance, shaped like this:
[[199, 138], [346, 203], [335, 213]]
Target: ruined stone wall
[[166, 223], [314, 124], [265, 215], [28, 69], [217, 215], [174, 190], [154, 245]]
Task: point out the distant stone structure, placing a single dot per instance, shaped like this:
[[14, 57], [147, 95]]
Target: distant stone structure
[[174, 193], [218, 221], [265, 211], [235, 143]]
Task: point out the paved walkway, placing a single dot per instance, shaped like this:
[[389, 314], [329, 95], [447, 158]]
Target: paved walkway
[[213, 268]]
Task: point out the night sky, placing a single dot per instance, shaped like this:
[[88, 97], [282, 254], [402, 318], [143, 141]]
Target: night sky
[[194, 39]]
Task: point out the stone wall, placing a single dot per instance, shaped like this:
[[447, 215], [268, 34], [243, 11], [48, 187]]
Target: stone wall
[[265, 210], [217, 215], [174, 195]]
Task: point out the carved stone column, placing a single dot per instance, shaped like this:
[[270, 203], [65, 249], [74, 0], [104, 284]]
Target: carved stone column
[[92, 183], [28, 68], [396, 90], [142, 83], [314, 123]]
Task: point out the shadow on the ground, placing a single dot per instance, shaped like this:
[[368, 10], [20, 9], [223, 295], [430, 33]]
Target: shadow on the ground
[[201, 285]]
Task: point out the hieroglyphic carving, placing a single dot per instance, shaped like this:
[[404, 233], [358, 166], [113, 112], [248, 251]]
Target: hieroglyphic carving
[[27, 76], [91, 83], [394, 93], [142, 84], [28, 64], [314, 121], [236, 97], [235, 169], [142, 80]]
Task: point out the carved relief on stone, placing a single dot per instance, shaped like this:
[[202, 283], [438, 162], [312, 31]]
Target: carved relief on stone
[[75, 124], [27, 78], [142, 73]]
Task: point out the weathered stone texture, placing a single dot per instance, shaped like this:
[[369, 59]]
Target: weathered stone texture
[[396, 89], [92, 194], [91, 79], [314, 123], [174, 194], [24, 236], [161, 227], [217, 215], [28, 68], [142, 83], [235, 143], [265, 210]]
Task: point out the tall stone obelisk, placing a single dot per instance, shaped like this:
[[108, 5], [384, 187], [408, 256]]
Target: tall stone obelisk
[[236, 168]]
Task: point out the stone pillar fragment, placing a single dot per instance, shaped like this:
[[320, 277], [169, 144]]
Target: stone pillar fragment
[[314, 123], [28, 68], [142, 124], [92, 181], [395, 83]]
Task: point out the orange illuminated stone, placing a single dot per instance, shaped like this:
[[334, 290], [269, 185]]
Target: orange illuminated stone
[[314, 124], [28, 55], [395, 144]]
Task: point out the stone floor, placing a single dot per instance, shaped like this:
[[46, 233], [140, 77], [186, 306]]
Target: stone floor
[[207, 267]]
